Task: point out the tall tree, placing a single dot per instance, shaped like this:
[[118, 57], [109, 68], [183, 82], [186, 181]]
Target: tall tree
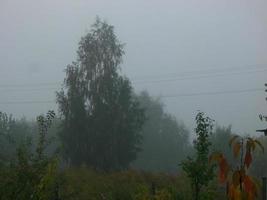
[[101, 117], [165, 141]]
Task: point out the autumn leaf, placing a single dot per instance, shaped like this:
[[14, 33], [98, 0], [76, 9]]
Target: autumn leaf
[[216, 156], [231, 191], [224, 168], [239, 185], [236, 178], [250, 196], [233, 139], [236, 193], [236, 149], [248, 159], [248, 184], [250, 144]]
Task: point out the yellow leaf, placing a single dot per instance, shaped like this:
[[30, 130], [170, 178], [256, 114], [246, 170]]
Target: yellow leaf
[[233, 139], [216, 156], [250, 144], [237, 194]]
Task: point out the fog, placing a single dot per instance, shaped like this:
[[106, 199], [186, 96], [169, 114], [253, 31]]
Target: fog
[[196, 55]]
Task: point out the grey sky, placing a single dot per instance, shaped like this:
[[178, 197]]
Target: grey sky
[[164, 40]]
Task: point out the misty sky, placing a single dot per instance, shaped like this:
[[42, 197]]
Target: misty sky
[[184, 51]]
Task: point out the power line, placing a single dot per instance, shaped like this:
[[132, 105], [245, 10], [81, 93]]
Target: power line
[[209, 70], [27, 89], [195, 77], [212, 93], [30, 84], [172, 77], [161, 96], [192, 77], [26, 102]]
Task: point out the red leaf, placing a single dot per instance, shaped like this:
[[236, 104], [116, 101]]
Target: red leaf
[[224, 168], [248, 159], [248, 185]]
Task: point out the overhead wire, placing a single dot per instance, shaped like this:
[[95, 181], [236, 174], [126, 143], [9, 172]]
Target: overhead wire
[[196, 77], [152, 79], [206, 70], [160, 96], [211, 73]]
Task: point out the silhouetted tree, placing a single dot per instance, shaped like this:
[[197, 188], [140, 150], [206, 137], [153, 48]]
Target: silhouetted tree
[[12, 133], [165, 141], [101, 117]]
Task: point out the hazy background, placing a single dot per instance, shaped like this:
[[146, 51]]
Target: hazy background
[[185, 51]]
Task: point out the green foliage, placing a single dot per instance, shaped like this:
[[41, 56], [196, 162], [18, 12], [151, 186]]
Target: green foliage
[[101, 117], [165, 141], [82, 183], [199, 171], [12, 133], [32, 175]]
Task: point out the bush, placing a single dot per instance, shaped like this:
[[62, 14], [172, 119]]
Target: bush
[[84, 183]]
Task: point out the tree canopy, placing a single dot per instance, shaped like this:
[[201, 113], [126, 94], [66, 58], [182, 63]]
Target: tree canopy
[[101, 117]]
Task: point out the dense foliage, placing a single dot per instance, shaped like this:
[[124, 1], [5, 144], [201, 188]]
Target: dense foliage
[[12, 133], [165, 141], [101, 117], [32, 174], [82, 183], [198, 169]]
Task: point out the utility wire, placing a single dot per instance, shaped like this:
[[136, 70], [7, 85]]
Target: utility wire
[[161, 96], [209, 70], [30, 85], [213, 93], [28, 89], [195, 77], [26, 102], [140, 81]]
